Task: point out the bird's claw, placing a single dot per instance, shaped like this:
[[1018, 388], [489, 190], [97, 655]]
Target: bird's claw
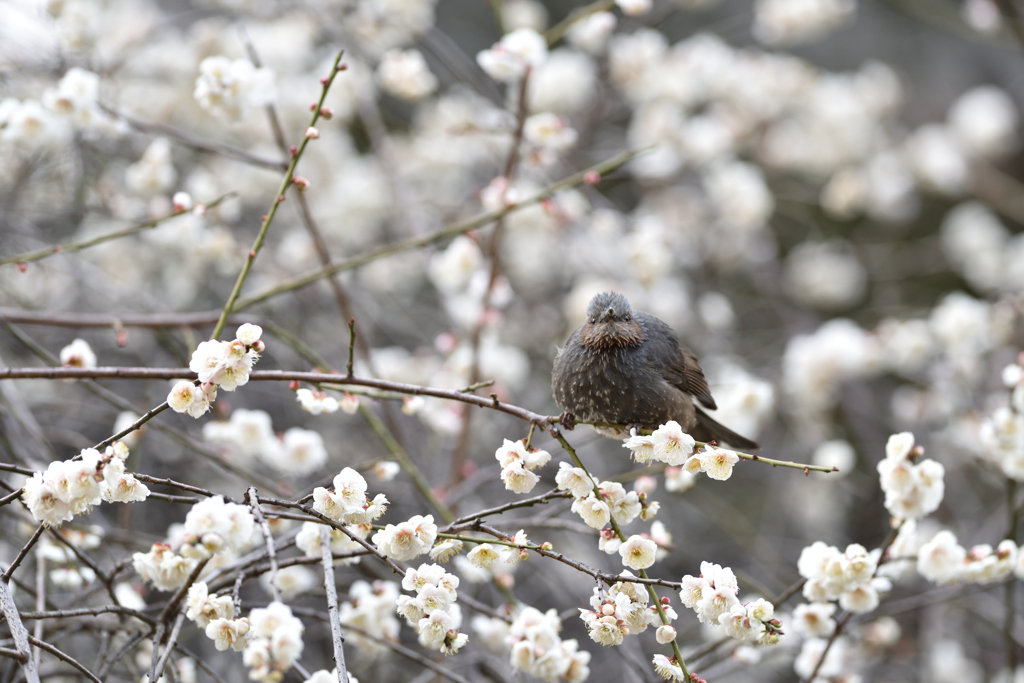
[[567, 420]]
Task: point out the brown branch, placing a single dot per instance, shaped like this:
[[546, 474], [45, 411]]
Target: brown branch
[[64, 656]]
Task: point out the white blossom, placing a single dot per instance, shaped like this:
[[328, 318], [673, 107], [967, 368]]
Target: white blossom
[[408, 539], [510, 57], [78, 354], [228, 89], [405, 74]]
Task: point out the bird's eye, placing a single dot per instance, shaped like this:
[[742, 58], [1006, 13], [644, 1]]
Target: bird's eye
[[626, 317]]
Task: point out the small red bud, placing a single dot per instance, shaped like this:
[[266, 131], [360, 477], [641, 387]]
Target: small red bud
[[326, 112], [592, 178], [343, 67], [22, 266], [324, 80], [665, 600], [57, 249], [263, 217], [280, 199], [294, 385], [293, 150], [252, 254], [312, 106], [121, 338]]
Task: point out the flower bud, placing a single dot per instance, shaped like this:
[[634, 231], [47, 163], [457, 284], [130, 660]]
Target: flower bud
[[312, 133], [666, 634]]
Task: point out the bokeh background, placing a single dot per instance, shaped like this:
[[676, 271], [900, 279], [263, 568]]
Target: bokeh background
[[830, 218]]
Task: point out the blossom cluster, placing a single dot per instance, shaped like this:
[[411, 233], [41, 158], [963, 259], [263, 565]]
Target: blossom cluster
[[220, 365], [912, 490], [347, 503], [517, 465], [713, 596], [72, 487], [229, 88], [433, 612], [308, 541], [316, 401], [215, 614], [670, 445], [275, 642], [848, 576], [371, 608], [539, 651], [485, 555], [407, 540], [611, 500], [213, 529], [943, 560], [621, 611], [1002, 434], [249, 435]]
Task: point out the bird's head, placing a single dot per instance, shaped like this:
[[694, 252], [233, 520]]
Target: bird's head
[[611, 323]]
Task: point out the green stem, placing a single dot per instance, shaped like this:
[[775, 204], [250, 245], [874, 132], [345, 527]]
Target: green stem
[[40, 254], [269, 218]]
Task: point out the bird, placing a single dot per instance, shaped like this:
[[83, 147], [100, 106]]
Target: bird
[[629, 368]]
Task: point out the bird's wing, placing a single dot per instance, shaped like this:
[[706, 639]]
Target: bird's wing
[[680, 366], [686, 374]]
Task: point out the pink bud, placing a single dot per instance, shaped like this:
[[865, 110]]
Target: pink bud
[[300, 182], [592, 178], [312, 133], [22, 266], [326, 112]]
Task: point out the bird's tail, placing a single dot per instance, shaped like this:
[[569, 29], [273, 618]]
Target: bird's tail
[[708, 429]]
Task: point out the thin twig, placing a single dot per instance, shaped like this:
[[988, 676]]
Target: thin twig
[[6, 576], [66, 657], [18, 632], [39, 254], [332, 603], [194, 141], [268, 538]]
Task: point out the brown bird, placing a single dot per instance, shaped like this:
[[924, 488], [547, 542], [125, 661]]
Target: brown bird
[[628, 367]]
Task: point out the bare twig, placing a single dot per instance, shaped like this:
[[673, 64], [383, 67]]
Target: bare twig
[[18, 632], [39, 254], [332, 604], [22, 553], [194, 141], [66, 657], [268, 538]]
